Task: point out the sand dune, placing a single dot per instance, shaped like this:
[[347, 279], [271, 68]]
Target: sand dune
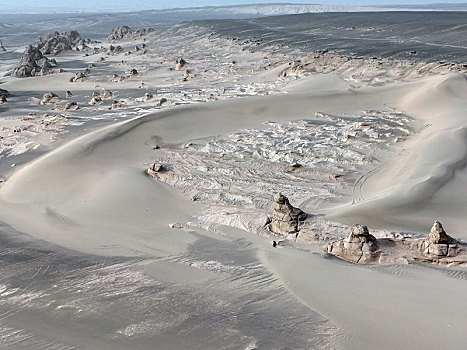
[[115, 258]]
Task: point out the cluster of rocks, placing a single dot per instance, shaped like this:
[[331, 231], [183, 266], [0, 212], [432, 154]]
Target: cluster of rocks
[[126, 33], [358, 247], [68, 106], [99, 97], [112, 50], [361, 247], [55, 43], [286, 219], [33, 63], [80, 76]]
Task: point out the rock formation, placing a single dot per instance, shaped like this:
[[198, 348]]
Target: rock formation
[[49, 98], [126, 33], [358, 247], [33, 63], [180, 63], [4, 93], [285, 217], [439, 245], [2, 48], [112, 50], [55, 43]]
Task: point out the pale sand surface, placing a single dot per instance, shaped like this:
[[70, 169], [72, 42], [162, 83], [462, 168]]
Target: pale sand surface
[[100, 262]]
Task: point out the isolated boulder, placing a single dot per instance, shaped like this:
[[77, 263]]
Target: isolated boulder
[[33, 63], [358, 247], [180, 63], [49, 98], [285, 217], [439, 244], [4, 93]]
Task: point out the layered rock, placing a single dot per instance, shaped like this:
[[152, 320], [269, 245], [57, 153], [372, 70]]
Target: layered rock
[[33, 63], [439, 246], [55, 43], [358, 247], [286, 218], [126, 33]]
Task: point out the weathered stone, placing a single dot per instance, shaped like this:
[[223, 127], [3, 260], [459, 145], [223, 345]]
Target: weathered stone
[[126, 33], [148, 96], [49, 98], [285, 217], [359, 246], [438, 235], [180, 63], [33, 63], [55, 43]]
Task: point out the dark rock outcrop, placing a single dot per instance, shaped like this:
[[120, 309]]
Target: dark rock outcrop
[[55, 43], [4, 93], [286, 218], [33, 63], [180, 63], [358, 247]]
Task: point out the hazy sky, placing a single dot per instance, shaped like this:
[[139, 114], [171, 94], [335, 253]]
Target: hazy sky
[[103, 5]]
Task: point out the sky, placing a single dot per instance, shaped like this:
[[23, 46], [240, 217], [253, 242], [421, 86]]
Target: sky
[[121, 5]]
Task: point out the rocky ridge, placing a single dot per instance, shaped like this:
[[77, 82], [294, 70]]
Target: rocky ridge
[[55, 43], [126, 33]]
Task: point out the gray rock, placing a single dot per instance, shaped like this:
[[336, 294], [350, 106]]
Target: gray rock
[[4, 93], [180, 63], [438, 235], [33, 63], [358, 247], [55, 43], [285, 217], [439, 244], [126, 33], [49, 98]]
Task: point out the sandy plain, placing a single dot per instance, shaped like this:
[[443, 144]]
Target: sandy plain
[[90, 259]]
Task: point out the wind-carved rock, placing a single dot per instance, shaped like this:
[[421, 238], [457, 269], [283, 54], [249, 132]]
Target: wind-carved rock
[[286, 218], [439, 244], [33, 63], [358, 247]]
